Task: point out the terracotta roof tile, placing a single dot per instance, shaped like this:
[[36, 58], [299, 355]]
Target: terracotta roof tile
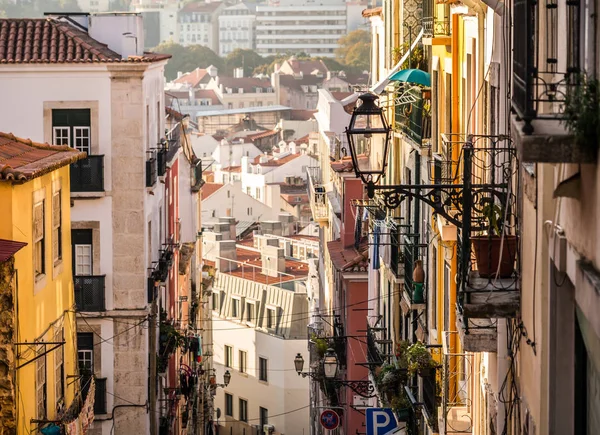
[[210, 188], [262, 134], [8, 248], [193, 78], [249, 84], [307, 66], [47, 40], [22, 159], [273, 162], [251, 269], [349, 259]]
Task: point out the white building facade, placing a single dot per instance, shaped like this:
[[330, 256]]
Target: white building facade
[[199, 24], [294, 26], [236, 28]]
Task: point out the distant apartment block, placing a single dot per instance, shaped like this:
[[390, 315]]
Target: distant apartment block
[[199, 24], [293, 26], [160, 20], [236, 28]]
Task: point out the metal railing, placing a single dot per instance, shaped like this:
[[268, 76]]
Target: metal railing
[[317, 194], [433, 23], [539, 89], [87, 175], [89, 292], [413, 116], [413, 252], [151, 169]]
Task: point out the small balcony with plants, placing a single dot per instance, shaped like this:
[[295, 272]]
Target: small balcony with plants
[[556, 104], [87, 175], [415, 256], [170, 339], [412, 114], [89, 292]]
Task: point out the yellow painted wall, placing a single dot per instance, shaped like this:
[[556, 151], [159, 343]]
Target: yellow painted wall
[[52, 303]]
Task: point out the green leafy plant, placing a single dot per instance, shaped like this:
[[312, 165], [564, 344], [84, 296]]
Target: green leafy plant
[[419, 359], [417, 57], [582, 110], [321, 344], [493, 213]]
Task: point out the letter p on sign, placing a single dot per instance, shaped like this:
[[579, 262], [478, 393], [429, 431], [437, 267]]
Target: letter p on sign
[[380, 421]]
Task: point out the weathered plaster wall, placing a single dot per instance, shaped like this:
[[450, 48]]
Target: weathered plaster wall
[[7, 358]]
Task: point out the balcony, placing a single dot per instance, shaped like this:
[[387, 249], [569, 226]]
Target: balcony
[[545, 79], [318, 196], [87, 175], [413, 115], [455, 411], [161, 161], [436, 23], [415, 259], [89, 292], [151, 169]]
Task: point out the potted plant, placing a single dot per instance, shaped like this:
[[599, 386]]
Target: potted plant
[[401, 406], [492, 261], [419, 360], [582, 110]]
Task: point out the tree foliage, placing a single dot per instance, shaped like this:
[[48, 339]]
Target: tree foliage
[[188, 58], [248, 59], [355, 49]]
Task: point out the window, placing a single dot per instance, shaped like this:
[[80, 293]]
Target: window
[[262, 369], [216, 299], [82, 252], [40, 383], [228, 356], [258, 193], [228, 405], [249, 190], [434, 289], [249, 211], [56, 227], [230, 105], [38, 239], [85, 353], [250, 312], [271, 324], [264, 416], [72, 127], [228, 194], [243, 361], [59, 374], [235, 308], [243, 410]]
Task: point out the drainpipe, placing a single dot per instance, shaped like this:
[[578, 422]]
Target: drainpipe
[[476, 6]]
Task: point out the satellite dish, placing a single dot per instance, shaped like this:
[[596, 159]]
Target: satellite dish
[[218, 413]]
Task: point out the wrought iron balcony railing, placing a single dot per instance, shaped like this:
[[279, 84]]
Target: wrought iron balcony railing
[[87, 175], [542, 67], [151, 169], [434, 22], [89, 292], [317, 194], [413, 115], [415, 262]]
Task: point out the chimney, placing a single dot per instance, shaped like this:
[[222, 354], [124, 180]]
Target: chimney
[[260, 242], [273, 261], [271, 227], [238, 73], [287, 224], [226, 250], [179, 74], [223, 229], [229, 220], [121, 32], [328, 75], [210, 242], [293, 148], [192, 96], [212, 71]]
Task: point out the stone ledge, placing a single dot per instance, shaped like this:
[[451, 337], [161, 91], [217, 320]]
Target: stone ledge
[[549, 143]]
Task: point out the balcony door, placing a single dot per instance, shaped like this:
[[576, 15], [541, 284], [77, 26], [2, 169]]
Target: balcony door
[[81, 241], [72, 127]]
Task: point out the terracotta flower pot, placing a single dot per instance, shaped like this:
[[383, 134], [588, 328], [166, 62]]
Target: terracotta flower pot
[[488, 256]]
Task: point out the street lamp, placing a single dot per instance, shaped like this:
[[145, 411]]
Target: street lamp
[[299, 363], [367, 126], [330, 364], [226, 378]]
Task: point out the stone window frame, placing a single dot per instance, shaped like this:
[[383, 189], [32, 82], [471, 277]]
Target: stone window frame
[[59, 369], [229, 404], [57, 228], [92, 105], [95, 227], [260, 371], [228, 356]]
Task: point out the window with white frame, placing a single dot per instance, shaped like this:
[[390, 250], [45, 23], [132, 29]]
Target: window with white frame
[[250, 312], [59, 371], [243, 361], [216, 301], [72, 127], [56, 227], [39, 242], [40, 383], [262, 369], [81, 240], [235, 308], [228, 356]]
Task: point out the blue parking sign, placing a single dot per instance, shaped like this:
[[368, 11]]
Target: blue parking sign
[[380, 421]]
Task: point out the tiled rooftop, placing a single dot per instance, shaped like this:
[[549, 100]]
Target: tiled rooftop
[[349, 259], [47, 40], [210, 188], [251, 269], [22, 159], [273, 162], [194, 78], [8, 248]]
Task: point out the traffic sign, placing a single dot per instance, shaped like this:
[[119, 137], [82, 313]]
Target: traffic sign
[[330, 419], [380, 421]]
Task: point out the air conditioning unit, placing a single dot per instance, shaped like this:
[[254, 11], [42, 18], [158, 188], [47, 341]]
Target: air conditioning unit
[[268, 428]]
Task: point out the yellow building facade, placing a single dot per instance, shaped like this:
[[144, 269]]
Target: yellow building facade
[[35, 204]]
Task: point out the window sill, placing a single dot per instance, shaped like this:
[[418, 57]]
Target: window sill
[[40, 282], [58, 268], [87, 195], [263, 382]]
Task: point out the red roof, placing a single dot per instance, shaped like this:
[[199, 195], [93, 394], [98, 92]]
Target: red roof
[[307, 66], [295, 82], [348, 259], [47, 40], [273, 162], [8, 248], [232, 169], [193, 78], [22, 159], [249, 84], [262, 134], [341, 95], [301, 114], [210, 188]]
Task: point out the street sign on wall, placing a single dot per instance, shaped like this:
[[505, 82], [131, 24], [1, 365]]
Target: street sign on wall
[[380, 421], [330, 419]]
